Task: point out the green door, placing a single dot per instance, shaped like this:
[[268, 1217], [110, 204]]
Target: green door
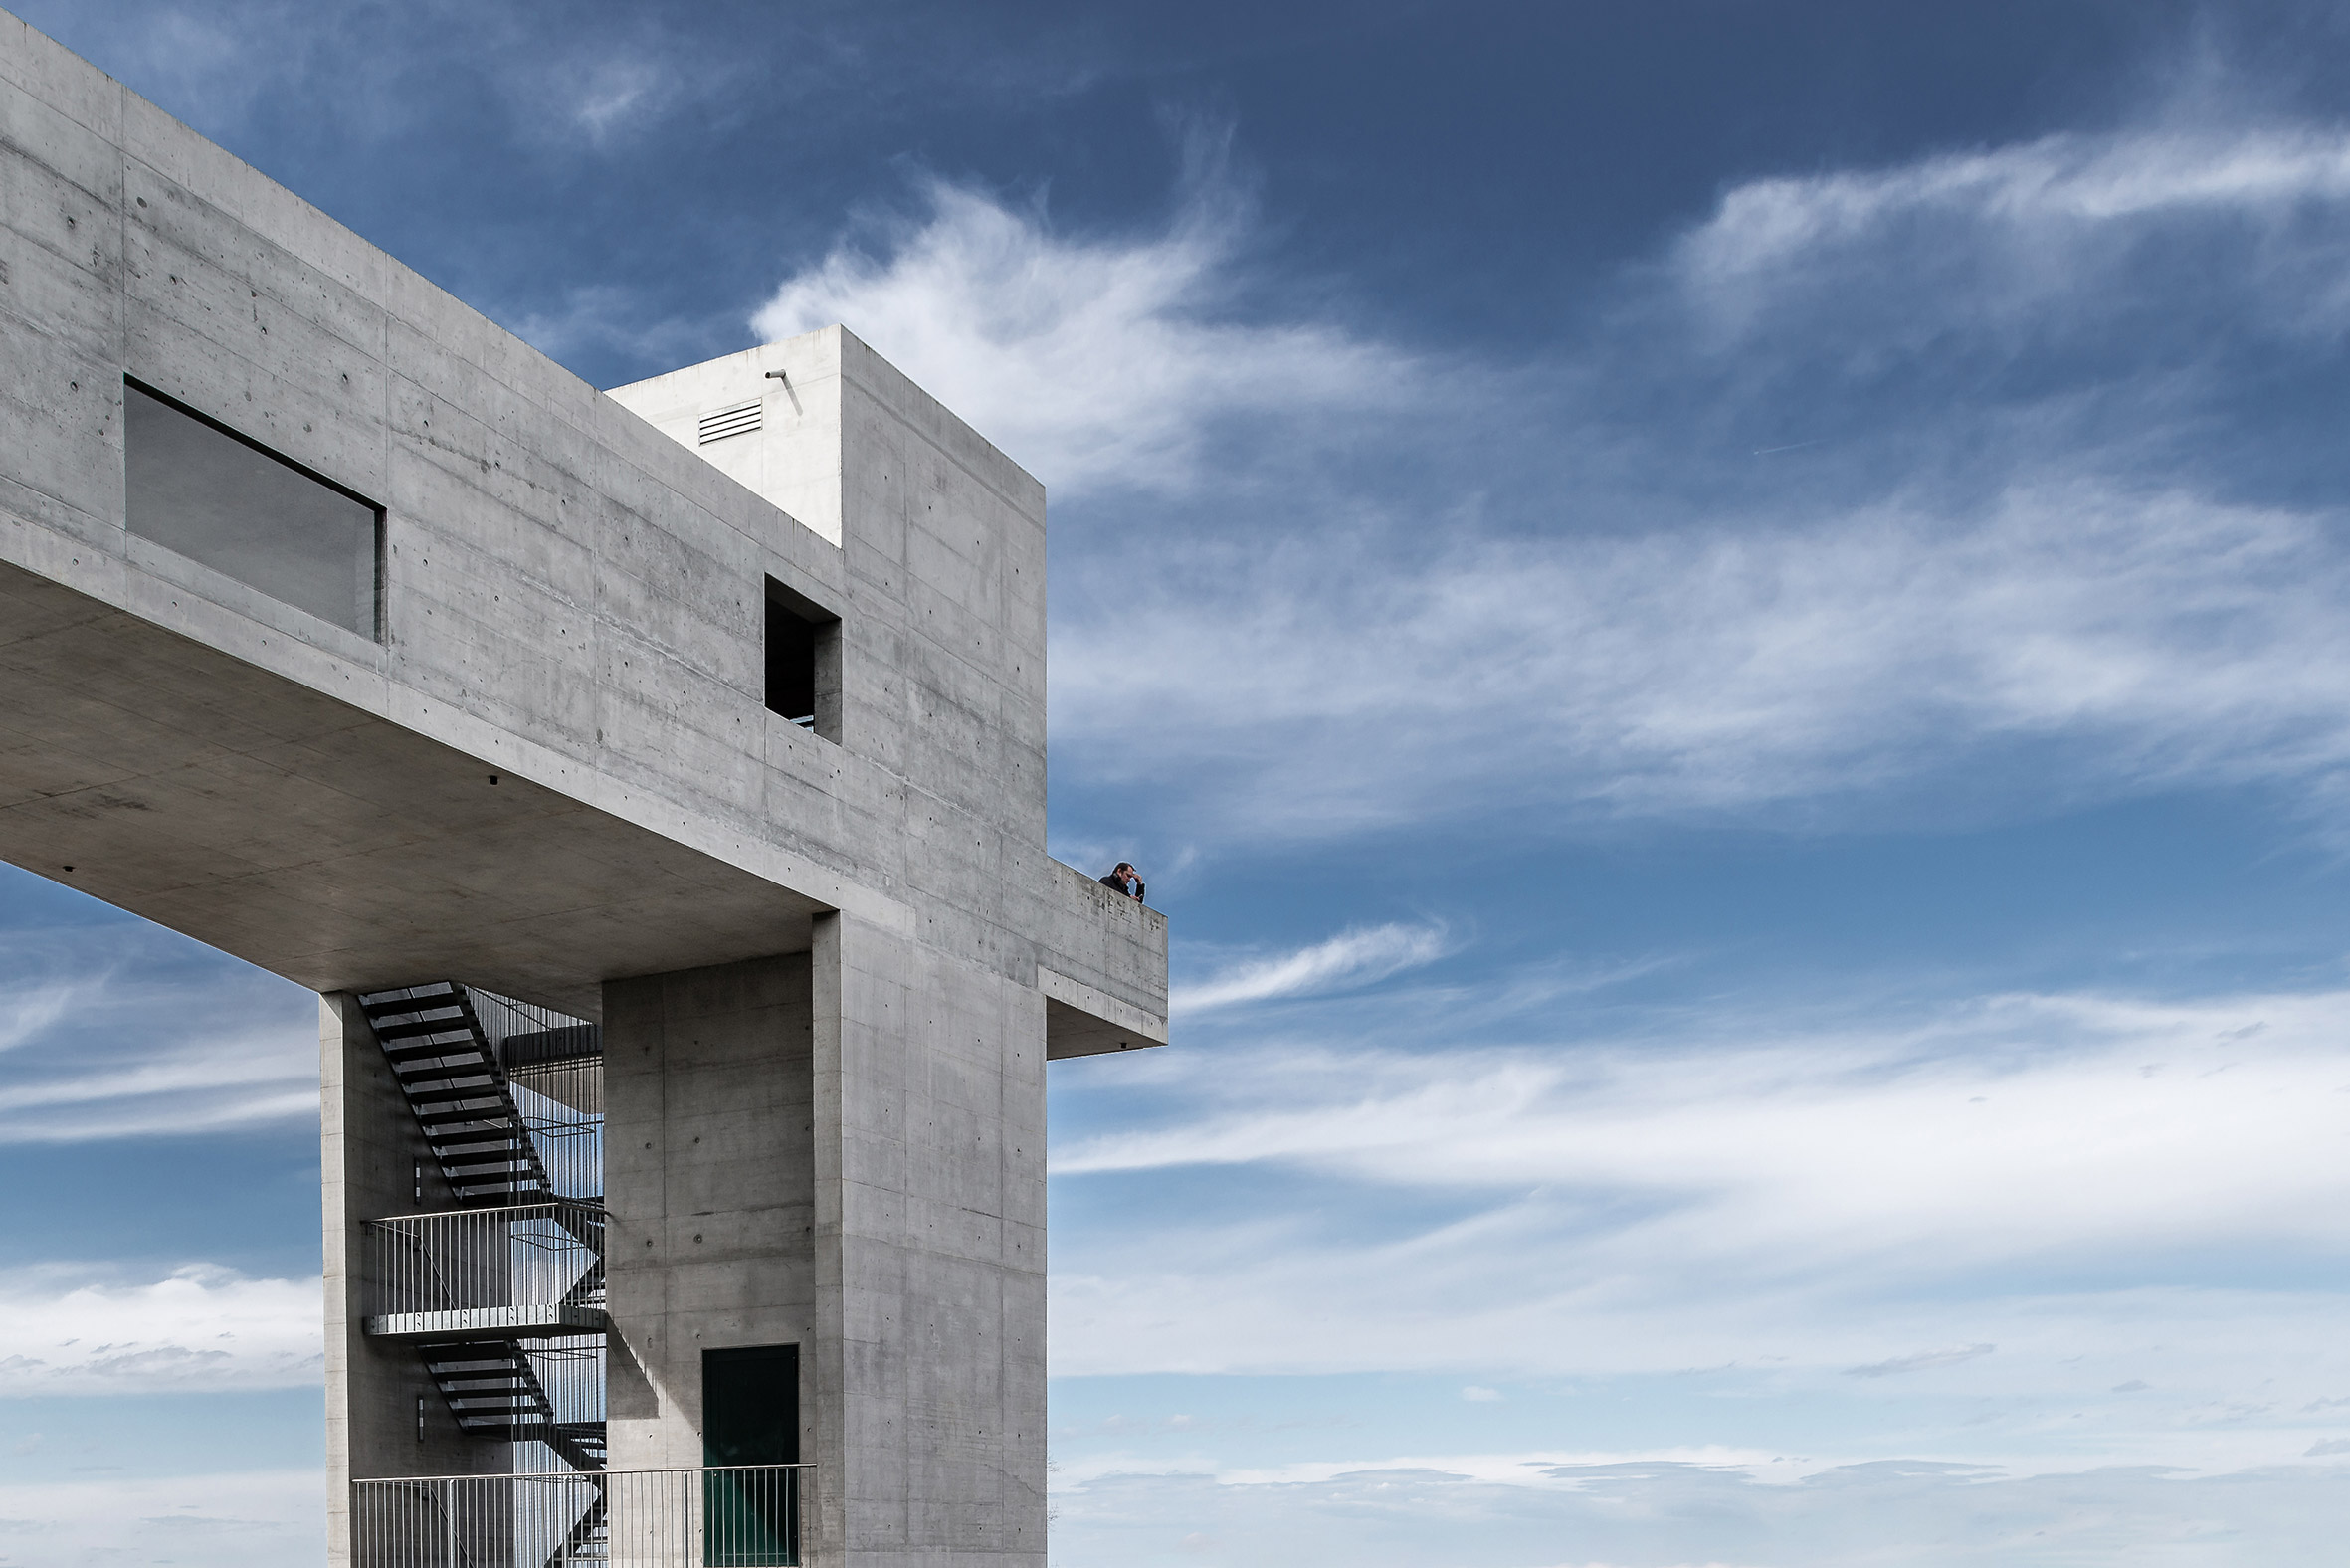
[[750, 1414]]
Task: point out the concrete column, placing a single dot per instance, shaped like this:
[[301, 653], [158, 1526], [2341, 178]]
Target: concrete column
[[823, 1377], [370, 1149], [930, 1231]]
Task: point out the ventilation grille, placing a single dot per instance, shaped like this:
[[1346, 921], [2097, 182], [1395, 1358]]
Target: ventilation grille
[[740, 419]]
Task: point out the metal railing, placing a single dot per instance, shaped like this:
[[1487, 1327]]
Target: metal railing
[[737, 1517], [570, 1373], [476, 1271], [554, 1068], [570, 1147]]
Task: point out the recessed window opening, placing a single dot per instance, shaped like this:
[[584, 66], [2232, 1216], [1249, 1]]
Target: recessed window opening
[[803, 661], [225, 501]]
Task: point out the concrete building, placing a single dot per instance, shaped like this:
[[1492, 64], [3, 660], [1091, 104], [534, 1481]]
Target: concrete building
[[652, 784]]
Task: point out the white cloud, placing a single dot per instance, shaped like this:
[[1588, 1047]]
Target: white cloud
[[1487, 1511], [1809, 1197], [1091, 360], [199, 1329], [248, 1519], [1355, 958]]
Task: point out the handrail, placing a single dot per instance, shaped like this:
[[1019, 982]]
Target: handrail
[[574, 1475], [716, 1516], [520, 1267], [594, 1205]]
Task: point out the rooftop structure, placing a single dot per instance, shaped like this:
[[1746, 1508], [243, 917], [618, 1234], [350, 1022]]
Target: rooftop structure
[[651, 783]]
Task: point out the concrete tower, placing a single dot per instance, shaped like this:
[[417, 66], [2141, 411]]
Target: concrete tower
[[652, 786]]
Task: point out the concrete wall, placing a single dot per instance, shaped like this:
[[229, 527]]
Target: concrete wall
[[711, 1176], [794, 459]]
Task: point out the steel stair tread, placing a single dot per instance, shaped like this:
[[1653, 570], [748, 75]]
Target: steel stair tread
[[378, 1006], [449, 1091], [420, 1028]]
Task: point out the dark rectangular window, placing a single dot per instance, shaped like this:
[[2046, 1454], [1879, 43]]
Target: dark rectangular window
[[225, 501], [750, 1406], [750, 1416], [803, 661]]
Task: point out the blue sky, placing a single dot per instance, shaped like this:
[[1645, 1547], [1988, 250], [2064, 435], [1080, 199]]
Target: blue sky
[[1722, 626]]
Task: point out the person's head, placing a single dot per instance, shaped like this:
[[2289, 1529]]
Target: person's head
[[1125, 869]]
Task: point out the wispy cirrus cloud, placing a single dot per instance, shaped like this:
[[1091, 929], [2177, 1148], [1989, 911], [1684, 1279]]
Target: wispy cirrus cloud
[[184, 1087], [120, 1030], [2005, 234], [27, 1011], [1728, 1188], [237, 1519], [1924, 1361], [1355, 958], [1508, 1510], [2131, 639]]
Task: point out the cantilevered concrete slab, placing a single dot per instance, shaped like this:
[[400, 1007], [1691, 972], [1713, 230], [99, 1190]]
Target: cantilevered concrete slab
[[830, 965]]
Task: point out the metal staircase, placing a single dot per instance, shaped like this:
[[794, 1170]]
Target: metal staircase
[[495, 1393], [454, 1081], [459, 1079]]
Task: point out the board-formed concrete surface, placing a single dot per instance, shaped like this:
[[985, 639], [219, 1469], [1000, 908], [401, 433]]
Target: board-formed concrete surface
[[841, 964]]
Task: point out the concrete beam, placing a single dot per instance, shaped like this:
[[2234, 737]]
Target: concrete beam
[[1083, 1022], [328, 844]]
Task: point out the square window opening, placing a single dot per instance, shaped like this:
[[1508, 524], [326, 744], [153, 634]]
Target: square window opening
[[803, 661], [224, 501]]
